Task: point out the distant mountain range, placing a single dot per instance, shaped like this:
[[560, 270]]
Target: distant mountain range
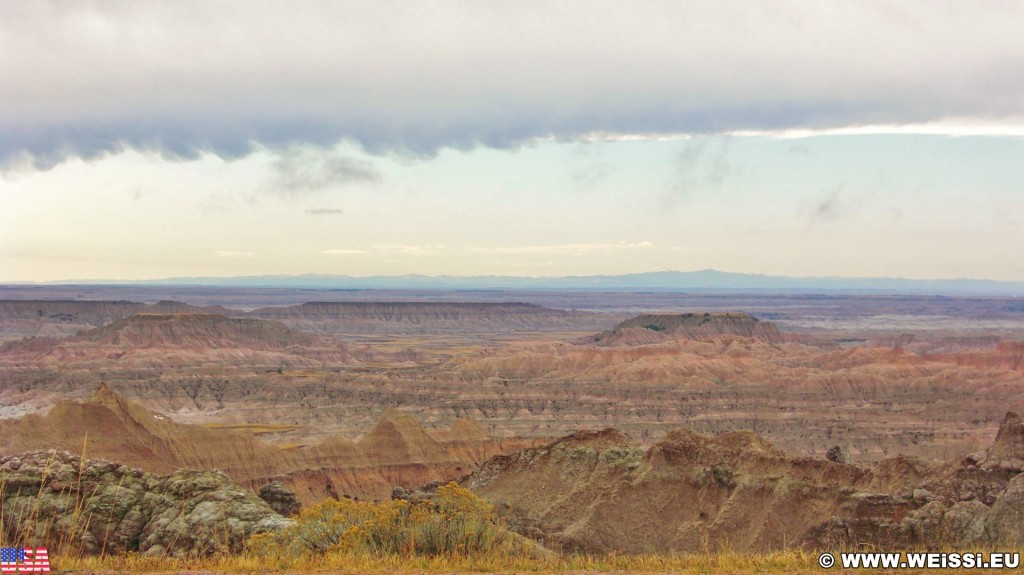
[[704, 280]]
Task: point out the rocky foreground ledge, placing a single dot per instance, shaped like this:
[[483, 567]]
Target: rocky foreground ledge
[[54, 498]]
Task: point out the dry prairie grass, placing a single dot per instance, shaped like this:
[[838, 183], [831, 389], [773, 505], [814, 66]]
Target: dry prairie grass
[[254, 428], [347, 562], [776, 562]]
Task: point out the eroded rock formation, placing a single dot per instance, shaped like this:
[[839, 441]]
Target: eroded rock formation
[[398, 452], [601, 492], [408, 318], [281, 499], [53, 498], [183, 340], [64, 318], [658, 327]]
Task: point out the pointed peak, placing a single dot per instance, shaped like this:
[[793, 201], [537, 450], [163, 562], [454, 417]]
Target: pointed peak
[[108, 397], [1007, 450], [393, 421], [396, 418], [467, 425], [399, 437], [104, 393], [392, 413], [1011, 431]]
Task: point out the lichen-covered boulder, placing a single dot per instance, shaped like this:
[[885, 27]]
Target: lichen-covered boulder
[[56, 499], [965, 523], [1005, 522]]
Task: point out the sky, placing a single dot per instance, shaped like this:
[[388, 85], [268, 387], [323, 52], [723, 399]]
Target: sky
[[143, 140]]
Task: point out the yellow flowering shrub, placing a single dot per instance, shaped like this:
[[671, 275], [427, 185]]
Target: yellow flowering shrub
[[454, 522]]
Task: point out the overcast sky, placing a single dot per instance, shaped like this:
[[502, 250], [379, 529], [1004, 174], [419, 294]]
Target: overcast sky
[[156, 139]]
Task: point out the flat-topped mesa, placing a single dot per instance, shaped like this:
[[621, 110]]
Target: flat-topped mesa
[[403, 311], [84, 312], [657, 327], [195, 329], [428, 317], [184, 339], [55, 318]]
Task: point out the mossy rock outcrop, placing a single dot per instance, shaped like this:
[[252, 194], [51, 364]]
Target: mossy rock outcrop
[[56, 499]]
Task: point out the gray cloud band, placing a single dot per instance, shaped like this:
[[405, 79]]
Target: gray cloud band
[[182, 79]]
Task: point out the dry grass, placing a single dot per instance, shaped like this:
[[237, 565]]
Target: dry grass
[[778, 562], [347, 562], [254, 428]]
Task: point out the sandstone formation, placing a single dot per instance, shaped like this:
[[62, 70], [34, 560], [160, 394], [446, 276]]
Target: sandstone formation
[[61, 318], [978, 498], [281, 499], [602, 492], [56, 318], [651, 328], [398, 452], [428, 318], [183, 340], [53, 498], [930, 395], [877, 401]]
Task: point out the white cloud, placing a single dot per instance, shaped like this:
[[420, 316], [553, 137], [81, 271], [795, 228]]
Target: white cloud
[[341, 252], [401, 249], [233, 254], [412, 250], [1003, 126], [563, 249]]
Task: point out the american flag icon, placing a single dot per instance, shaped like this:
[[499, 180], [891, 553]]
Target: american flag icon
[[24, 560]]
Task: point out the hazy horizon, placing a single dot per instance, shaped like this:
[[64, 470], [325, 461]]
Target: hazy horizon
[[665, 281]]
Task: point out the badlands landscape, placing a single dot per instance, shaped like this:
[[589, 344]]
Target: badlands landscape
[[591, 422], [879, 375], [559, 288]]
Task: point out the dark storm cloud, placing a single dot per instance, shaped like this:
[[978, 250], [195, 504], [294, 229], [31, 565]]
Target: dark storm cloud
[[86, 79]]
